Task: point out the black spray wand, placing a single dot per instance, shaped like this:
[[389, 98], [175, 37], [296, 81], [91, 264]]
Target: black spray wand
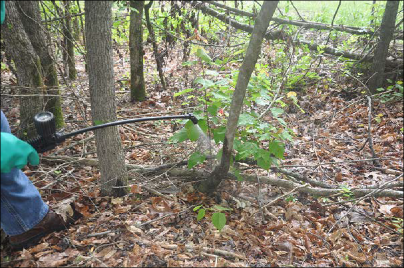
[[48, 138]]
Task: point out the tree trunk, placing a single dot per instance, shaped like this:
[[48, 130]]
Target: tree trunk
[[84, 35], [102, 96], [156, 53], [381, 52], [248, 66], [31, 18], [19, 48], [69, 43], [137, 85]]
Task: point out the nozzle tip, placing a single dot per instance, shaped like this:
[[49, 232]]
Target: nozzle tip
[[193, 119]]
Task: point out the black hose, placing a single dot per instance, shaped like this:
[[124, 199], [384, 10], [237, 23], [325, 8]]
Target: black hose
[[42, 144]]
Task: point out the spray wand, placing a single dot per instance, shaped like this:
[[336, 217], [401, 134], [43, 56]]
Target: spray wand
[[48, 138]]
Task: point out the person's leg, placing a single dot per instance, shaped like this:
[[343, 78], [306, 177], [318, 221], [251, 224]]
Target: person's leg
[[21, 204]]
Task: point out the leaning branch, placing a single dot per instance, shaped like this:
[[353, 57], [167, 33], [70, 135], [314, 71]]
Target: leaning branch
[[281, 35], [306, 24], [64, 17]]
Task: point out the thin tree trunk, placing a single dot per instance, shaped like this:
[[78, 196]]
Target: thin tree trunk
[[102, 95], [156, 53], [69, 43], [28, 67], [84, 35], [246, 69], [137, 85], [381, 52]]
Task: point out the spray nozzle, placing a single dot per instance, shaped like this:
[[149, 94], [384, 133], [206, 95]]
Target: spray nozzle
[[48, 138], [193, 119]]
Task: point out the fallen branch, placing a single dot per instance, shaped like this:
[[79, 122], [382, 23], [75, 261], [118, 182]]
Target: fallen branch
[[198, 175], [372, 193], [281, 196], [195, 249]]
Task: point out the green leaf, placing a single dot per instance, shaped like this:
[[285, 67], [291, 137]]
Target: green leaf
[[262, 101], [264, 163], [195, 158], [276, 111], [220, 208], [200, 53], [197, 207], [220, 96], [280, 120], [189, 63], [236, 173], [287, 8], [219, 154], [201, 214], [212, 72], [203, 82], [286, 135], [193, 131], [183, 92], [245, 119], [247, 149], [203, 125], [212, 109], [277, 149], [218, 134], [179, 136], [219, 220]]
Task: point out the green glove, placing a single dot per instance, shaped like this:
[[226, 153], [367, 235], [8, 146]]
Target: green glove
[[15, 153]]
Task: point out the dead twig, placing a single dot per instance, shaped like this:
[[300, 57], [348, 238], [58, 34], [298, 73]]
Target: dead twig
[[372, 193], [370, 139], [282, 196]]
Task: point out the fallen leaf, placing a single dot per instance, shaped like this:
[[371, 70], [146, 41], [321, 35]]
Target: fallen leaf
[[397, 212], [39, 248], [386, 209]]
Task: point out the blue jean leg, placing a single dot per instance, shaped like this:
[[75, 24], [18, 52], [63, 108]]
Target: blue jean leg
[[21, 204]]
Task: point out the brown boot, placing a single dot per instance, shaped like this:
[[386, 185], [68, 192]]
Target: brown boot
[[50, 223]]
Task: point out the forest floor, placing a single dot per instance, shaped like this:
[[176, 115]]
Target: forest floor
[[155, 224]]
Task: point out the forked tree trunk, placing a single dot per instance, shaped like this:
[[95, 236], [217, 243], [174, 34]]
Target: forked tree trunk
[[137, 85], [31, 18], [102, 95], [246, 69], [381, 52], [28, 69]]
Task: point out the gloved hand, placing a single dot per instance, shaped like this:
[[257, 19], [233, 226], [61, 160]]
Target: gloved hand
[[15, 153]]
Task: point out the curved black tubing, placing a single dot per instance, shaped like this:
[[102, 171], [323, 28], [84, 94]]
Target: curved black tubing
[[121, 122], [44, 144]]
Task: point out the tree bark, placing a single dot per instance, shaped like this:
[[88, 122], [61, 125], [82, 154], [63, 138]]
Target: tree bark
[[386, 35], [31, 18], [28, 66], [156, 53], [69, 42], [246, 69], [137, 85], [102, 96]]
